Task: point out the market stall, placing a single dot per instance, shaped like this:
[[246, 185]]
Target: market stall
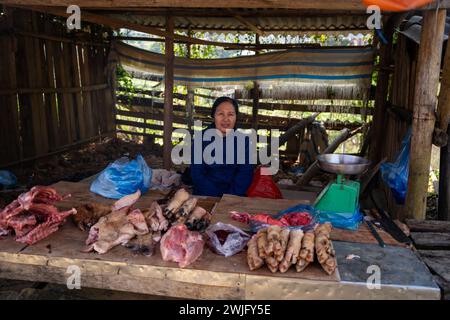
[[211, 276]]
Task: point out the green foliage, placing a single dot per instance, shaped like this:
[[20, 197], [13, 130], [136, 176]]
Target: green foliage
[[125, 81]]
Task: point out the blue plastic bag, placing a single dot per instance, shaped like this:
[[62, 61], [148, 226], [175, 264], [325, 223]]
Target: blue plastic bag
[[7, 179], [396, 174], [123, 177], [348, 221]]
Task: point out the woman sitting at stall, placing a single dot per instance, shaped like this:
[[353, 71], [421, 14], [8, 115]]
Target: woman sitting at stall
[[217, 179]]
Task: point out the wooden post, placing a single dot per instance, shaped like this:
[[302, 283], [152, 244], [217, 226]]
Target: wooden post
[[444, 116], [379, 117], [444, 183], [168, 94], [255, 95], [10, 147], [425, 100], [190, 93]]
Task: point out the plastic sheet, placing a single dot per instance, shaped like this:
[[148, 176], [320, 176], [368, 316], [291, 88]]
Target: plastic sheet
[[226, 239], [396, 174], [348, 221], [7, 179], [123, 177]]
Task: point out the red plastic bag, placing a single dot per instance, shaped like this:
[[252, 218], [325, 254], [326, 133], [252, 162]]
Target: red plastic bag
[[263, 186], [397, 5]]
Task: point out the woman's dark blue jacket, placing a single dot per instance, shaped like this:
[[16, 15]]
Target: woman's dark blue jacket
[[218, 179]]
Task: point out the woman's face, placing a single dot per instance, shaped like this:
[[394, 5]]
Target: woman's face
[[225, 117]]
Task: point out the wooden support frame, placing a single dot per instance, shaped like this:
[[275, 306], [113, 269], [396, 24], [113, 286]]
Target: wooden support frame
[[379, 117], [425, 100], [324, 5], [327, 5], [118, 23], [168, 94]]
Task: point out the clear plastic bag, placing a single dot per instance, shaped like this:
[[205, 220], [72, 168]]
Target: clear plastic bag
[[7, 179], [233, 239], [396, 174], [123, 177]]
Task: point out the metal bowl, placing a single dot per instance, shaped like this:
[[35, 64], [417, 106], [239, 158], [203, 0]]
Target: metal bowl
[[343, 164]]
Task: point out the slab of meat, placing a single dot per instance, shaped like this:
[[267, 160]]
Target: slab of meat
[[32, 216], [296, 219], [43, 230], [181, 245]]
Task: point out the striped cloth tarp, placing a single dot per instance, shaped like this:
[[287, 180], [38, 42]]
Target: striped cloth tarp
[[310, 72]]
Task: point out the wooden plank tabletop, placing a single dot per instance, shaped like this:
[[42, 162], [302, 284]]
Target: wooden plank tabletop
[[210, 277], [270, 206]]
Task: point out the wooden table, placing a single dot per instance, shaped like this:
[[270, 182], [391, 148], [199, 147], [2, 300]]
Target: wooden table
[[210, 277]]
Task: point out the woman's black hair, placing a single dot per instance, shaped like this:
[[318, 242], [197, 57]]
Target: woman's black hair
[[222, 100]]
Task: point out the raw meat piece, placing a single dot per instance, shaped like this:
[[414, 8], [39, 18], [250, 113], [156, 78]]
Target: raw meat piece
[[155, 218], [187, 207], [324, 248], [22, 220], [199, 219], [126, 201], [32, 216], [253, 259], [293, 250], [136, 218], [306, 255], [39, 194], [175, 203], [181, 245], [296, 219], [45, 229]]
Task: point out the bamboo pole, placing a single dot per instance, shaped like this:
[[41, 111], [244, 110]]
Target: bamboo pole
[[168, 94], [425, 99]]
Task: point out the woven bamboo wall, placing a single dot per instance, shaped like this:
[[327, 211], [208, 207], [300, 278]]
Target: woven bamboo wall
[[53, 87]]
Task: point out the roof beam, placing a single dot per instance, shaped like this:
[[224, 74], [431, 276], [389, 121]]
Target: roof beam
[[324, 5], [251, 26], [328, 5], [118, 23]]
